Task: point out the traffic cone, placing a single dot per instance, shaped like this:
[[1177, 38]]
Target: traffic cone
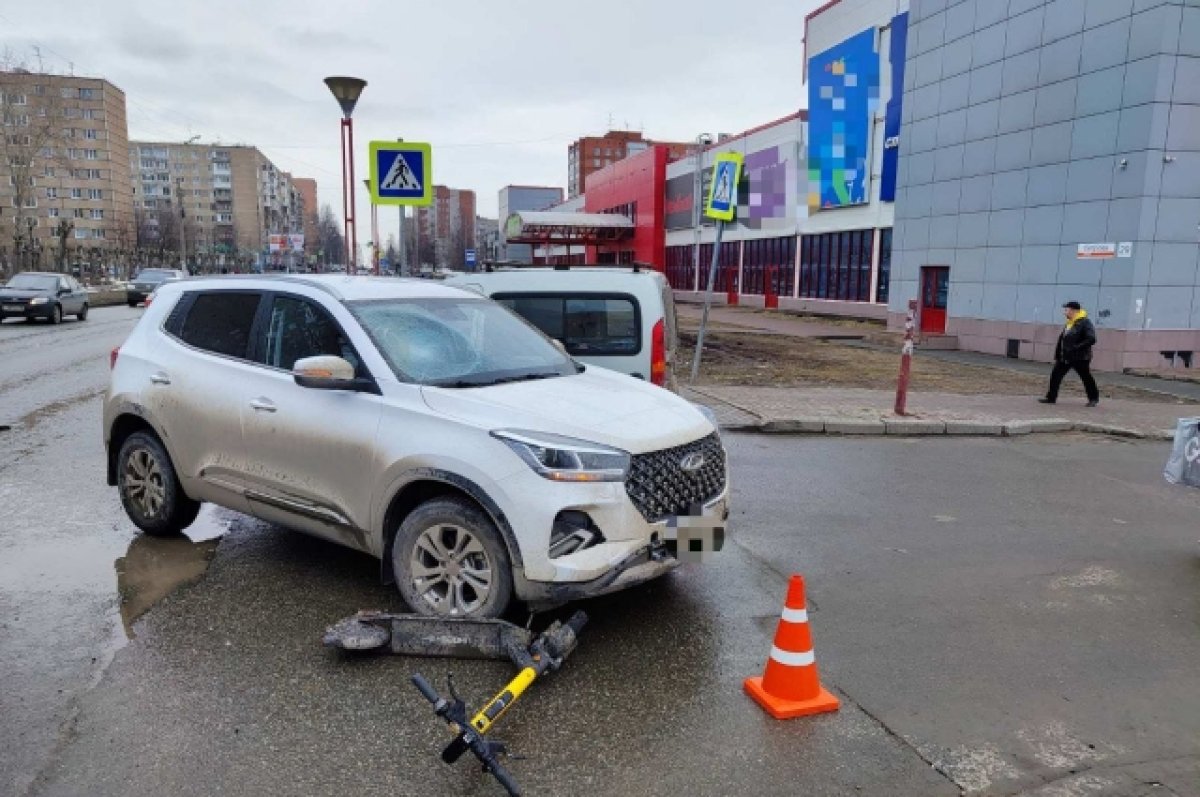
[[789, 687]]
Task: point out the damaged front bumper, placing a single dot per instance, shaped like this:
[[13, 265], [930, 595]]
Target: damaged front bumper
[[672, 542]]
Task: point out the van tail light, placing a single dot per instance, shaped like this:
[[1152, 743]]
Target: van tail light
[[658, 354], [112, 358], [149, 299]]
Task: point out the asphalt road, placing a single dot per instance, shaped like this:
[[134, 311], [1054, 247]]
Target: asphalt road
[[998, 616]]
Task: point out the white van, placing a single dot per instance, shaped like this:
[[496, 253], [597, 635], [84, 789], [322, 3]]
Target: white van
[[618, 318]]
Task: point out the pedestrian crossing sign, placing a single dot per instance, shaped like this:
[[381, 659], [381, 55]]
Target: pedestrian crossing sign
[[401, 173], [722, 193]]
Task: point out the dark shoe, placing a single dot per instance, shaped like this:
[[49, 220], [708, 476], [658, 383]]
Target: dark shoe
[[1093, 403], [1045, 401]]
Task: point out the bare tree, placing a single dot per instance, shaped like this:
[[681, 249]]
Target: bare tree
[[331, 243], [31, 149]]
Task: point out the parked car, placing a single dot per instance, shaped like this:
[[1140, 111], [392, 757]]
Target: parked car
[[147, 280], [32, 294], [617, 318], [422, 424]]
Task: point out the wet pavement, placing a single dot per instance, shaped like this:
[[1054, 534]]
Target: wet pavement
[[998, 616]]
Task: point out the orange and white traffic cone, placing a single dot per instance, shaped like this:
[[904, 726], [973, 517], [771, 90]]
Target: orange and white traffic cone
[[789, 687]]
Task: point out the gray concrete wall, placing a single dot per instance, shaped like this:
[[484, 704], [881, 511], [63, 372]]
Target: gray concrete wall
[[1034, 126]]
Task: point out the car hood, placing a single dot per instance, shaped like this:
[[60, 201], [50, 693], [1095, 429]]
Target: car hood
[[13, 293], [598, 405]]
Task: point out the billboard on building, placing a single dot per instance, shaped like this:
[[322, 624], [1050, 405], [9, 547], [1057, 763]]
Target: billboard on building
[[892, 111], [843, 93]]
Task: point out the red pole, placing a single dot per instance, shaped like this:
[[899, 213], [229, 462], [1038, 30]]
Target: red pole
[[345, 195], [905, 359], [353, 214], [770, 295]]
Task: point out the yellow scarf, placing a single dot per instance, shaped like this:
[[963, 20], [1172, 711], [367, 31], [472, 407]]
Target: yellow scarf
[[1079, 315]]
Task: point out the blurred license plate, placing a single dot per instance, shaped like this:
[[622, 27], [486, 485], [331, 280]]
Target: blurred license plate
[[14, 308]]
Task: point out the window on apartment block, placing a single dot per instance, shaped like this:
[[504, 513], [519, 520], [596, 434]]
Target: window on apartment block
[[96, 213], [77, 213], [76, 193], [95, 193], [90, 134], [88, 94], [52, 213], [51, 193]]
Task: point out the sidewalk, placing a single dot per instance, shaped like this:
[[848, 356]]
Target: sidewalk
[[849, 410], [857, 411]]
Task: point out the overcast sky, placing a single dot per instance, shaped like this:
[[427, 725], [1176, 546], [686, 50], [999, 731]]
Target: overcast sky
[[499, 88]]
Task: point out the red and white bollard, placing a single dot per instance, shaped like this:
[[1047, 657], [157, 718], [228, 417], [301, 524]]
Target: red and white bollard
[[906, 359]]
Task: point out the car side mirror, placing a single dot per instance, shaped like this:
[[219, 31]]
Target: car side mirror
[[327, 372], [64, 292]]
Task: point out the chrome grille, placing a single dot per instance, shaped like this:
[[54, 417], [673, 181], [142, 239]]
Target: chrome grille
[[659, 487]]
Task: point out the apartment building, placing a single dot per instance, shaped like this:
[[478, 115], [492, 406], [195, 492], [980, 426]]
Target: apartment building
[[63, 156], [232, 198], [592, 153], [446, 229], [307, 188]]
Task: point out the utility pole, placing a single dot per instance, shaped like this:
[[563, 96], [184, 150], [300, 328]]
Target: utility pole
[[402, 269], [702, 140], [182, 224]]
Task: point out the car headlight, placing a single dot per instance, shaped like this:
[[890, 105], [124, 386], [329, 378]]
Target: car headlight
[[707, 413], [39, 300], [565, 459]]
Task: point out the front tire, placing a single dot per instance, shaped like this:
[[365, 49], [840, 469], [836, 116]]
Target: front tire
[[150, 489], [56, 314], [449, 561], [82, 314], [131, 302]]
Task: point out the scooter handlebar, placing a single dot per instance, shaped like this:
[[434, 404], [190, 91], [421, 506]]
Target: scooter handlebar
[[425, 688], [505, 779], [577, 622]]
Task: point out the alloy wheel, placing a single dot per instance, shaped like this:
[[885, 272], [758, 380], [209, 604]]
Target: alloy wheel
[[450, 570], [143, 482]]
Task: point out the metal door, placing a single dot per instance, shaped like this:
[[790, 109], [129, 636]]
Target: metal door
[[935, 290]]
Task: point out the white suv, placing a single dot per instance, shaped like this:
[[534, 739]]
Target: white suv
[[425, 425]]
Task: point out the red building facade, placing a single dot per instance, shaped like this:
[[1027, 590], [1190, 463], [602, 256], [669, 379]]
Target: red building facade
[[634, 188]]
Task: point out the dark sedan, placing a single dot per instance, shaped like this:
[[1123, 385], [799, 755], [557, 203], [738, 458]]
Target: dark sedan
[[37, 295], [148, 281]]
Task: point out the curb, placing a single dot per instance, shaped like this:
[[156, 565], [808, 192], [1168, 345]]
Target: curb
[[929, 427]]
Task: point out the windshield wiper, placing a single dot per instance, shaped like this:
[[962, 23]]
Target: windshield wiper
[[499, 380]]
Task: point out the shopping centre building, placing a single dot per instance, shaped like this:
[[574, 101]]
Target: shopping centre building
[[989, 160]]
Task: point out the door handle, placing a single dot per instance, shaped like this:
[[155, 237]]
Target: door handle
[[263, 405], [159, 378]]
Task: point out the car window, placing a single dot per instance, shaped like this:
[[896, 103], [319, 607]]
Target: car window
[[63, 285], [31, 282], [596, 325], [298, 329], [154, 274], [220, 322]]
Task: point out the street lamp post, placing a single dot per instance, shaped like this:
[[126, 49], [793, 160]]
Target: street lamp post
[[346, 90]]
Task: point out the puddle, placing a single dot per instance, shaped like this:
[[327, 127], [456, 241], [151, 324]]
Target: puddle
[[154, 567]]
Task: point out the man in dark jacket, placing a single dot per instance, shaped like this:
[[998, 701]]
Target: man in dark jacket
[[1074, 351]]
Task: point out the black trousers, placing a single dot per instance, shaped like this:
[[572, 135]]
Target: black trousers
[[1085, 373]]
